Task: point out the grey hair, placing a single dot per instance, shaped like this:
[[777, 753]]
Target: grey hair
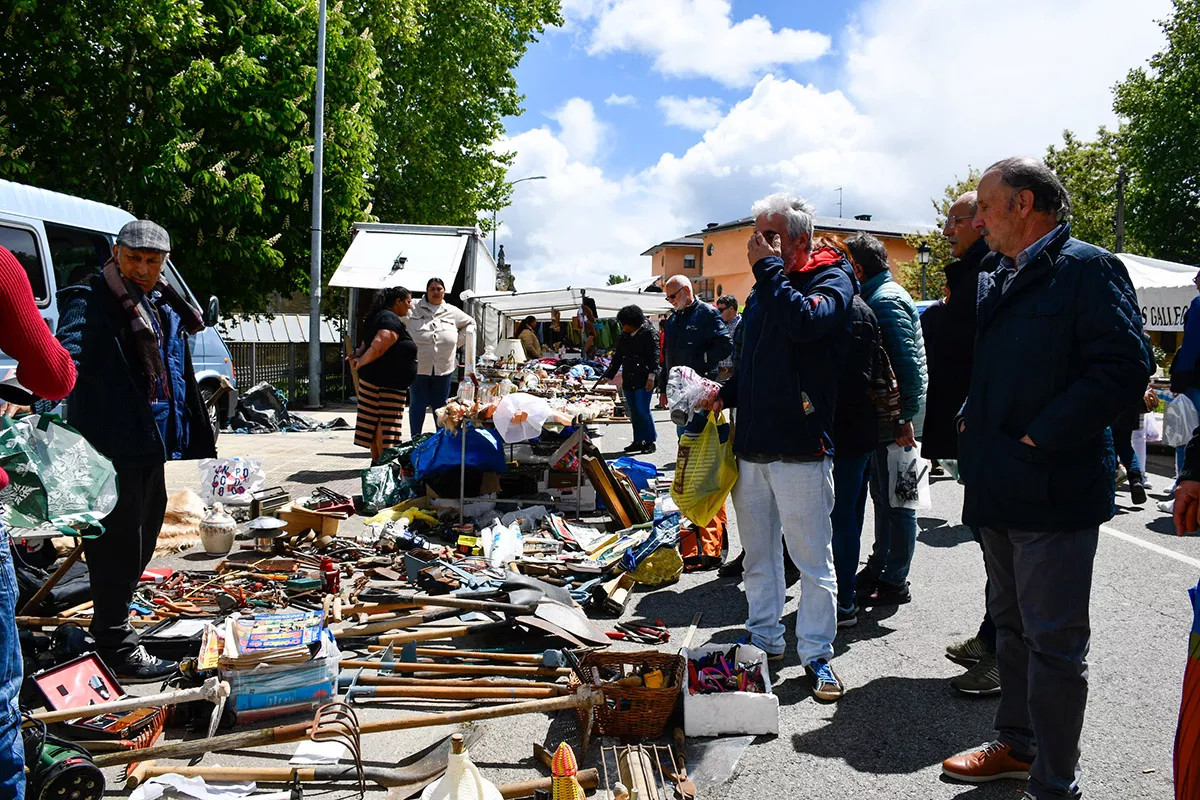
[[971, 198], [1049, 194], [868, 253], [796, 210]]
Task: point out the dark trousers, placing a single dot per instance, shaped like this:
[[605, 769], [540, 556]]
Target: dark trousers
[[987, 628], [1123, 445], [850, 475], [427, 392], [117, 558], [1040, 588]]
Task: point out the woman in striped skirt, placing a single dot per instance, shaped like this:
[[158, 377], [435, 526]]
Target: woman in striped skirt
[[386, 362]]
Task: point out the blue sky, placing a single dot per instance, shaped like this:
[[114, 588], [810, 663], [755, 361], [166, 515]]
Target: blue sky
[[652, 117]]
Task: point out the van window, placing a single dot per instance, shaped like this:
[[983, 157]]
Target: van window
[[24, 246], [76, 253]]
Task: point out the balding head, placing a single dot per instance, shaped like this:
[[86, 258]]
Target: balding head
[[678, 289], [958, 229]]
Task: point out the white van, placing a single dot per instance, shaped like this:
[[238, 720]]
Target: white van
[[60, 240]]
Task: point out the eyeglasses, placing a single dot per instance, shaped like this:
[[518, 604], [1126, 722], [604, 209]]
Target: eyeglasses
[[671, 297], [952, 220]]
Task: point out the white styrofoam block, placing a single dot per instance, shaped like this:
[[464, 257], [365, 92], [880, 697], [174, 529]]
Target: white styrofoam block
[[731, 712]]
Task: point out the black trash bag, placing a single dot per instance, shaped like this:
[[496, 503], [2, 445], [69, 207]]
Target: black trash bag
[[264, 410], [72, 589]]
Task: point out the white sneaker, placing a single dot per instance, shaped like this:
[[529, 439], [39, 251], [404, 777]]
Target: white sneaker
[[1122, 475], [1167, 506]]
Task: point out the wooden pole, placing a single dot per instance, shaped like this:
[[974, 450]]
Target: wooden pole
[[586, 697], [459, 669]]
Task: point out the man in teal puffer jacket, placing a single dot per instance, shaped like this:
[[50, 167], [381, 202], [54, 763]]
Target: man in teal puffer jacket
[[884, 580]]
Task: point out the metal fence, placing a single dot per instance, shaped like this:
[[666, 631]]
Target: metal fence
[[285, 366]]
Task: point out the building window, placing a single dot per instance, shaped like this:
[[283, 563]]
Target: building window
[[689, 262]]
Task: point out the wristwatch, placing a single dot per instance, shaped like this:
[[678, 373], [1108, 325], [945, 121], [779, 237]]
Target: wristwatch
[[901, 422]]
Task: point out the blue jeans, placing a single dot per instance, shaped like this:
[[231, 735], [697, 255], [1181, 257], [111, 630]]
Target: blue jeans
[[638, 401], [895, 528], [849, 508], [12, 752], [427, 392]]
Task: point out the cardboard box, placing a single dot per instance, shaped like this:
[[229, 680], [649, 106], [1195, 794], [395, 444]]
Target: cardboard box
[[300, 519], [489, 484], [731, 712], [563, 480]]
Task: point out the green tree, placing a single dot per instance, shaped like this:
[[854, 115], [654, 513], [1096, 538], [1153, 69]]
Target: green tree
[[1089, 171], [447, 85], [613, 280], [1162, 141], [195, 113], [908, 273]]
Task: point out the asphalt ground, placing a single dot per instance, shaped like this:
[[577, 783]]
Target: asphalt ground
[[899, 718]]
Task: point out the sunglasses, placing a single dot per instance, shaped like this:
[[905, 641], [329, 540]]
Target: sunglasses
[[671, 297]]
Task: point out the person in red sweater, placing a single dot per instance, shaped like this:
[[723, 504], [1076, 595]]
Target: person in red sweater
[[45, 369]]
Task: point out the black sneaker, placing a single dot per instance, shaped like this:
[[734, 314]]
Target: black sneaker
[[733, 569], [865, 582], [648, 447], [636, 447], [888, 594], [847, 619], [141, 667], [1137, 491]]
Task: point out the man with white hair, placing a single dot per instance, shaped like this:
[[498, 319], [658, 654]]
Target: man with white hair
[[796, 331]]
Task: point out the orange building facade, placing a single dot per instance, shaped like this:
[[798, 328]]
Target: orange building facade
[[718, 262]]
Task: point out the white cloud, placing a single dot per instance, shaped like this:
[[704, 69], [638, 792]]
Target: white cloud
[[695, 113], [615, 99], [924, 95], [697, 38]]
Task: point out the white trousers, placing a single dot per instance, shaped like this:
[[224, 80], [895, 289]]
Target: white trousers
[[792, 500]]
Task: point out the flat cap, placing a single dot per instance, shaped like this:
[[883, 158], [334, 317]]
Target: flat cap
[[142, 234]]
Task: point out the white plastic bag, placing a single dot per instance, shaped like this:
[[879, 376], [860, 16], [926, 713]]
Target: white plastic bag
[[230, 480], [686, 391], [908, 478], [1152, 425], [1179, 420]]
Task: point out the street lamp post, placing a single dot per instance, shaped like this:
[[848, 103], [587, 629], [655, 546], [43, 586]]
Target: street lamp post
[[923, 254], [514, 183], [314, 277]]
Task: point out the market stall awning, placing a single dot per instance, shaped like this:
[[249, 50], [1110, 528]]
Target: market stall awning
[[401, 255], [1164, 290], [539, 304]]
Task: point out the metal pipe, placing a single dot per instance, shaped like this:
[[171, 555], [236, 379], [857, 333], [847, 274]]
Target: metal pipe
[[314, 277]]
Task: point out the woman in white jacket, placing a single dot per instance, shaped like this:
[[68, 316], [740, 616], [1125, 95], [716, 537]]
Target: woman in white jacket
[[439, 329]]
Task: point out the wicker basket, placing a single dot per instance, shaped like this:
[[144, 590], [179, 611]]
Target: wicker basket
[[635, 710]]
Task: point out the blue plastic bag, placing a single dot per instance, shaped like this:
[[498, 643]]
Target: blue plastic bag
[[444, 451], [642, 473]]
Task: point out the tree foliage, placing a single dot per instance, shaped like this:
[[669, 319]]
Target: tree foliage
[[908, 273], [1089, 171], [1162, 141], [198, 114], [195, 113], [613, 280], [447, 84]]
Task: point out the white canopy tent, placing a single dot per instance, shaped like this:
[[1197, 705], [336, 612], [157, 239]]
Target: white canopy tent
[[1165, 289], [492, 311]]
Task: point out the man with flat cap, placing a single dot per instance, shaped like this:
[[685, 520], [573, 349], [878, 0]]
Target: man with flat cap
[[137, 402]]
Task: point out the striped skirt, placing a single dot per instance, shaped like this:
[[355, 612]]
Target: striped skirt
[[379, 408]]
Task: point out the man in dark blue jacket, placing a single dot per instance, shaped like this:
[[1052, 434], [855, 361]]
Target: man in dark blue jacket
[[796, 332], [137, 402], [1059, 354]]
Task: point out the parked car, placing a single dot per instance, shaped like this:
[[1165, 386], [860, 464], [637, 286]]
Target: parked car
[[60, 240]]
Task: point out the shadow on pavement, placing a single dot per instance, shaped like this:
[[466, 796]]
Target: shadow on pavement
[[874, 728], [943, 535], [320, 476], [1163, 524], [721, 602]]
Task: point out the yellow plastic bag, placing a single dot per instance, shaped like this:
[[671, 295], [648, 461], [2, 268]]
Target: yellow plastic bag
[[705, 471]]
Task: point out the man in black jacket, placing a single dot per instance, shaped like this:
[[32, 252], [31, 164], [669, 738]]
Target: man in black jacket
[[696, 337], [785, 386], [950, 356], [1059, 353], [137, 402]]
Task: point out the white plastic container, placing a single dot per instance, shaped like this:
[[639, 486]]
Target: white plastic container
[[731, 712]]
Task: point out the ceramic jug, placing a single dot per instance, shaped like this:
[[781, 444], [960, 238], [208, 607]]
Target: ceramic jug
[[216, 531], [462, 780]]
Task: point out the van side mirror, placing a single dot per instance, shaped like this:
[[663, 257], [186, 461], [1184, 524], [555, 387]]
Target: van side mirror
[[213, 315]]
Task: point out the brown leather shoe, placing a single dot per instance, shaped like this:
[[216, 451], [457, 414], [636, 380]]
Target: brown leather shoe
[[993, 761]]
